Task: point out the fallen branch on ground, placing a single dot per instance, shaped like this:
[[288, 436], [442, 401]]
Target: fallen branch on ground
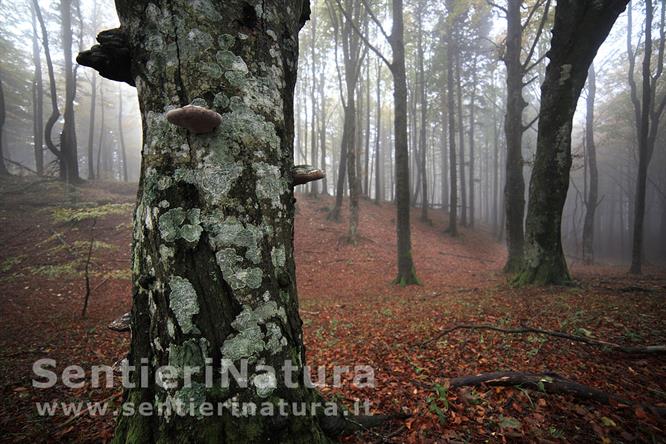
[[547, 383], [650, 349]]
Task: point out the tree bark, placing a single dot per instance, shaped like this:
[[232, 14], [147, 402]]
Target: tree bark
[[424, 117], [213, 263], [450, 82], [379, 167], [580, 28], [592, 198], [69, 161], [38, 99], [514, 188], [406, 270], [461, 138], [3, 167], [121, 133], [648, 113]]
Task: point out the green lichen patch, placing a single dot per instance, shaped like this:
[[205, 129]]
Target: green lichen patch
[[173, 227], [215, 181], [183, 302], [247, 344], [270, 183]]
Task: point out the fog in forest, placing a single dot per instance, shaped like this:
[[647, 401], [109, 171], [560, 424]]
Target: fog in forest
[[108, 124], [467, 197]]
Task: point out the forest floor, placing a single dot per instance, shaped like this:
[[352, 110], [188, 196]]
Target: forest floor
[[352, 315]]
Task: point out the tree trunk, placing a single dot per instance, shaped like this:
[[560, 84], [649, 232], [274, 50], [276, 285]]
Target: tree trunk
[[121, 133], [461, 139], [69, 161], [101, 152], [648, 112], [91, 131], [379, 167], [213, 263], [472, 129], [514, 190], [580, 28], [38, 99], [592, 198], [450, 82], [314, 186], [3, 167], [55, 112], [406, 269], [424, 119]]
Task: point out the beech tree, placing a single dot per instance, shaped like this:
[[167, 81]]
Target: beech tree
[[213, 261], [647, 111], [580, 29]]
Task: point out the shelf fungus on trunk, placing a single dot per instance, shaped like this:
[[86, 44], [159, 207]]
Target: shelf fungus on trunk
[[305, 173], [111, 58], [196, 119], [122, 324]]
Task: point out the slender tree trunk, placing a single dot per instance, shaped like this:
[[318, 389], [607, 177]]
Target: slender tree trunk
[[450, 82], [592, 198], [37, 99], [322, 130], [55, 112], [648, 113], [424, 119], [69, 170], [461, 139], [472, 129], [580, 28], [101, 153], [121, 133], [314, 186], [514, 191], [91, 131], [368, 91], [406, 269], [379, 167], [3, 167]]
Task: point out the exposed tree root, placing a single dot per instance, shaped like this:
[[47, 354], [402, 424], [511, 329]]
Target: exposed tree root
[[640, 350], [548, 383]]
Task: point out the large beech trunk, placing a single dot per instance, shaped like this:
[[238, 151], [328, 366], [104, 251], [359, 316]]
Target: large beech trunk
[[580, 28], [213, 263]]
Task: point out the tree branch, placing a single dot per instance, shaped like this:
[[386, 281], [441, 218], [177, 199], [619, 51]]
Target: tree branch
[[651, 349]]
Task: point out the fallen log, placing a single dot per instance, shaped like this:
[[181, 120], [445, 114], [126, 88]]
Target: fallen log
[[547, 383], [641, 350]]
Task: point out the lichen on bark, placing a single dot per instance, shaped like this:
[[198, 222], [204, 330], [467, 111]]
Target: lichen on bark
[[213, 265]]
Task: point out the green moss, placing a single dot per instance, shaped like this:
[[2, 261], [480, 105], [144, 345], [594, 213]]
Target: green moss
[[96, 212]]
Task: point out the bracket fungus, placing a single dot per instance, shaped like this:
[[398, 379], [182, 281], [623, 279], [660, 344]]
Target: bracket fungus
[[196, 119], [305, 173], [111, 58], [121, 324]]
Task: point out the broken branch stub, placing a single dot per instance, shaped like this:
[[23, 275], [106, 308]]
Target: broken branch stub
[[196, 119], [305, 173]]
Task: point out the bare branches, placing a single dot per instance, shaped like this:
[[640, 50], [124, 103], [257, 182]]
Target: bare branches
[[364, 37], [527, 66], [495, 5]]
